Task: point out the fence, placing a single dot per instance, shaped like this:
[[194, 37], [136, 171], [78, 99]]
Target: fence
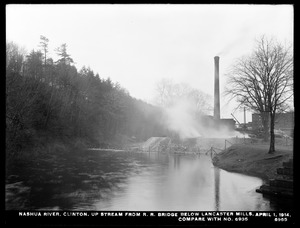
[[212, 151], [210, 147], [284, 141]]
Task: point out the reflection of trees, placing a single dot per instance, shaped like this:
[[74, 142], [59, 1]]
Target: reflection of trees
[[217, 188]]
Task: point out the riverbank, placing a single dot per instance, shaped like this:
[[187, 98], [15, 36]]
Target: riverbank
[[252, 160]]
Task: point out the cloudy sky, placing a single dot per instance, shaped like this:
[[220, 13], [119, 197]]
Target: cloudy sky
[[138, 45]]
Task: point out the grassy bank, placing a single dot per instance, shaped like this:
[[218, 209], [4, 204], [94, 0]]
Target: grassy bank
[[252, 160]]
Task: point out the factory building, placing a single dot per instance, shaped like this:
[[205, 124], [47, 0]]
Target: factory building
[[283, 122]]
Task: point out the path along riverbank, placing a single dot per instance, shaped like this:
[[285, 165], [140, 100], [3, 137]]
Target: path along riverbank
[[252, 160]]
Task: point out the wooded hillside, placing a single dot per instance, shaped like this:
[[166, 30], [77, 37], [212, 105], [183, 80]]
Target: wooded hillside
[[48, 100]]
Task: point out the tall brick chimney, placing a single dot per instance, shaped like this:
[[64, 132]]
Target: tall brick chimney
[[217, 90]]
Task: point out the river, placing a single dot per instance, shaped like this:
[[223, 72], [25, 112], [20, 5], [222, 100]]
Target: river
[[105, 180]]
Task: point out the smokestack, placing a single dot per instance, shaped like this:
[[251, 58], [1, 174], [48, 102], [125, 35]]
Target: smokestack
[[217, 90]]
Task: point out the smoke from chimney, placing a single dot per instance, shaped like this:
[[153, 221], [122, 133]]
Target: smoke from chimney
[[217, 90]]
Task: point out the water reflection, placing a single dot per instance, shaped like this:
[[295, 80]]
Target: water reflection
[[176, 162], [217, 188], [103, 180], [175, 182]]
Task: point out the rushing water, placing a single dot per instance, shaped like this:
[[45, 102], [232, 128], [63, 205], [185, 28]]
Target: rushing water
[[105, 180]]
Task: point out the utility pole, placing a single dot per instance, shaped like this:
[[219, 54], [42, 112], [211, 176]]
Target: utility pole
[[245, 127], [245, 117]]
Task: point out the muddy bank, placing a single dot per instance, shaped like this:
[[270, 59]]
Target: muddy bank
[[252, 160]]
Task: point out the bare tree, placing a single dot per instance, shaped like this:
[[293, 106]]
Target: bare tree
[[164, 90], [168, 93], [263, 82]]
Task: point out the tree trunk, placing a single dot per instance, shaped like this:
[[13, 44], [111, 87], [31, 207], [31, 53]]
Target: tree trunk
[[265, 122], [272, 135]]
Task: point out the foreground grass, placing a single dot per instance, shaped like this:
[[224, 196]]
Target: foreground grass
[[252, 160]]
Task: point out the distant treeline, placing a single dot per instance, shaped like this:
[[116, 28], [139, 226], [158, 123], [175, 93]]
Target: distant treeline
[[53, 100]]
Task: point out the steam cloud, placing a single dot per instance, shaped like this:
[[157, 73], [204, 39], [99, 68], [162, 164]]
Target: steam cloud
[[241, 35], [183, 118], [180, 117]]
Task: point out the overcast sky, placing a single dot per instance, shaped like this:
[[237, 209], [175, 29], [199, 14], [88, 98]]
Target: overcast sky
[[137, 45]]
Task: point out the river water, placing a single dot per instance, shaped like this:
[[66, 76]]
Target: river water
[[105, 180]]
